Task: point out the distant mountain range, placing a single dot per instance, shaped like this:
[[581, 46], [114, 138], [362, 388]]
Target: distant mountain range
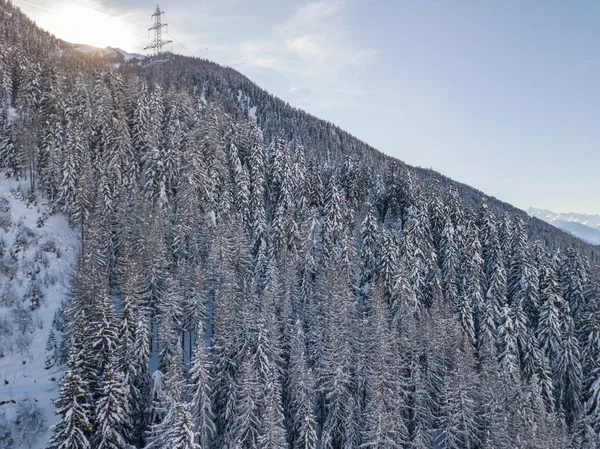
[[110, 52], [583, 226]]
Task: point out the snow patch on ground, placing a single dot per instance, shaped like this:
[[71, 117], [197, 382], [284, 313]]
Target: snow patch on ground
[[252, 113], [51, 249], [12, 114]]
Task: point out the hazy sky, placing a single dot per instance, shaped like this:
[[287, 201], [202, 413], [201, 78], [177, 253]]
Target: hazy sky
[[501, 95]]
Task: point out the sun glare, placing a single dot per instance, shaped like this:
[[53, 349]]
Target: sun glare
[[81, 24]]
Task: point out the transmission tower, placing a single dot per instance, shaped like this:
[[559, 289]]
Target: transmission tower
[[157, 43]]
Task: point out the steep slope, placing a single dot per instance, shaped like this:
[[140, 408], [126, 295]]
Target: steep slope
[[252, 277], [583, 232], [37, 253], [331, 144]]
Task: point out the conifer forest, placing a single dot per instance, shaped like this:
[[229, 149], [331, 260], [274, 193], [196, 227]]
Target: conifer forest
[[245, 275]]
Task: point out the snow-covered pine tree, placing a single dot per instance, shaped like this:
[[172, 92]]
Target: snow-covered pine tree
[[569, 376], [302, 431], [460, 420], [200, 393], [112, 421], [549, 329], [573, 278], [73, 431], [182, 435], [591, 358], [369, 253], [382, 418], [246, 420]]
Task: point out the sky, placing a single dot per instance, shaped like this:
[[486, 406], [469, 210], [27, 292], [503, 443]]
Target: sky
[[501, 95]]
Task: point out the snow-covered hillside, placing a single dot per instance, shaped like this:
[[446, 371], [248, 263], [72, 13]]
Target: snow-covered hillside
[[583, 226], [37, 252]]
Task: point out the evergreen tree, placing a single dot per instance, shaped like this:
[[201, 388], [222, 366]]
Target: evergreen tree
[[590, 355], [369, 252], [550, 321], [112, 419], [74, 428], [300, 385], [51, 350], [272, 430], [102, 341], [460, 420], [569, 373], [507, 342], [383, 415], [200, 382], [246, 420], [573, 278], [139, 380], [182, 435], [449, 263]]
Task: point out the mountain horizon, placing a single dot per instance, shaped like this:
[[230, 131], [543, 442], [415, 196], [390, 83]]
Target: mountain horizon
[[584, 226]]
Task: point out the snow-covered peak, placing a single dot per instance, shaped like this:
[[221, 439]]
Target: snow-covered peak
[[583, 226], [107, 51], [126, 55]]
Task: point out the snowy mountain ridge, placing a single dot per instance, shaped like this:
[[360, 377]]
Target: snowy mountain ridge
[[590, 220], [107, 51], [583, 226]]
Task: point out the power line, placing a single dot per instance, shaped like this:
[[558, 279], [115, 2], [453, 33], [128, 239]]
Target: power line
[[40, 6], [181, 45], [50, 10]]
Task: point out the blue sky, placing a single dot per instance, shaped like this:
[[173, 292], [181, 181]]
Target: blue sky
[[501, 95]]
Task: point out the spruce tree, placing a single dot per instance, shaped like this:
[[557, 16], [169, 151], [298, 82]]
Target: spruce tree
[[73, 431], [300, 385], [200, 383], [112, 417]]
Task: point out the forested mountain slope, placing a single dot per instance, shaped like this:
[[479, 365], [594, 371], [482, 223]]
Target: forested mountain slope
[[277, 283], [328, 143]]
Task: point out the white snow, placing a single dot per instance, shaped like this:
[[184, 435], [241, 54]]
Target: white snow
[[252, 113], [12, 114], [23, 377]]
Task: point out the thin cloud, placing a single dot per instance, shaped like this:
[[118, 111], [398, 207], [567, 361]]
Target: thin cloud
[[314, 52]]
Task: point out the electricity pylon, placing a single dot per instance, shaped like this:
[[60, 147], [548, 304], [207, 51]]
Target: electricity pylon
[[157, 43]]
